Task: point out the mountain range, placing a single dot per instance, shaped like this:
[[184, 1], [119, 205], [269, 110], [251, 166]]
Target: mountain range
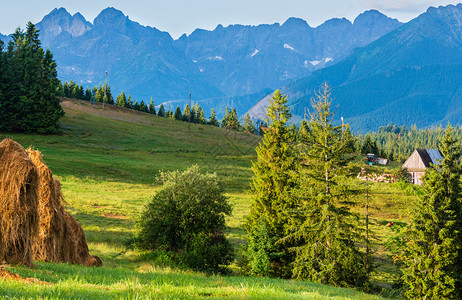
[[230, 62], [379, 69], [411, 75]]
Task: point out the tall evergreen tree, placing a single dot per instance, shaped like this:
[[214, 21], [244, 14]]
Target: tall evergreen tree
[[161, 112], [186, 114], [434, 253], [327, 232], [152, 108], [248, 124], [136, 106], [275, 173], [121, 100], [129, 102], [178, 116], [226, 118], [213, 119]]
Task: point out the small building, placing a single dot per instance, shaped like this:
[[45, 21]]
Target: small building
[[419, 161]]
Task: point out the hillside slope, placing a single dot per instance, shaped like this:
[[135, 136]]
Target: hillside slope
[[107, 161]]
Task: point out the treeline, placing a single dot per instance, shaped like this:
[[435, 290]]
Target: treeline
[[28, 85], [398, 142], [102, 94]]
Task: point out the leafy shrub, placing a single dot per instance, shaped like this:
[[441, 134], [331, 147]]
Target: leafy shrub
[[187, 216]]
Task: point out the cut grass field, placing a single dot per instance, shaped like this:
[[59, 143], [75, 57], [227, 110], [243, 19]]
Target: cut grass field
[[107, 161]]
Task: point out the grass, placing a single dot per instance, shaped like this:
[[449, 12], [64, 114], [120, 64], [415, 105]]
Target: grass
[[108, 160]]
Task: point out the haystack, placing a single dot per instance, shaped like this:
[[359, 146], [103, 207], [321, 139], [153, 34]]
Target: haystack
[[60, 237], [18, 204]]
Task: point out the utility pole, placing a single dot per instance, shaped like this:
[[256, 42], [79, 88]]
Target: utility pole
[[189, 113], [105, 89], [367, 225]]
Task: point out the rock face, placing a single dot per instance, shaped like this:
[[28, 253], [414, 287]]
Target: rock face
[[409, 76], [140, 60], [245, 59]]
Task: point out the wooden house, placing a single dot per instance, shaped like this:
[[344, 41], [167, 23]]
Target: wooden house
[[419, 161]]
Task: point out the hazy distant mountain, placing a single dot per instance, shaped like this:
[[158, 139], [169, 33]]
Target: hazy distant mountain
[[245, 59], [226, 62], [140, 60], [4, 38], [409, 76]]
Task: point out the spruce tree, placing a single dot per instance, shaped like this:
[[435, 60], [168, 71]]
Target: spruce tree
[[142, 106], [327, 232], [152, 108], [186, 114], [213, 119], [129, 102], [433, 262], [178, 116], [121, 100], [275, 173], [248, 124], [227, 116], [161, 112], [199, 114], [136, 106]]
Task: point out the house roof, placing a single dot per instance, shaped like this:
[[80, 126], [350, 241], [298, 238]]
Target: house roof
[[421, 159]]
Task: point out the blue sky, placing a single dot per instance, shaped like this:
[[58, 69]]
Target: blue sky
[[183, 16]]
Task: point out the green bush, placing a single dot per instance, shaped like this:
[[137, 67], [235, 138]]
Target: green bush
[[187, 216]]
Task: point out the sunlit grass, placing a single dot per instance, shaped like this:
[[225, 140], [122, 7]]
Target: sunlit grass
[[108, 162]]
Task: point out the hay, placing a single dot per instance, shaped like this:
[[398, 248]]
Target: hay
[[18, 204], [60, 237]]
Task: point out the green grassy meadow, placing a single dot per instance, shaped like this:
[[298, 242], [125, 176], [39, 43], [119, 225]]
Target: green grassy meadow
[[107, 161]]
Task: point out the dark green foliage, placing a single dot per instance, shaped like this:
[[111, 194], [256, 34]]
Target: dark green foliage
[[187, 216], [29, 85], [178, 116], [152, 108], [136, 106], [326, 231], [161, 112], [434, 257], [369, 146], [275, 176]]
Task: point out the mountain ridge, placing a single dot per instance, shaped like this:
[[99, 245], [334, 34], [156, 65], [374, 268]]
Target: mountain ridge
[[409, 76]]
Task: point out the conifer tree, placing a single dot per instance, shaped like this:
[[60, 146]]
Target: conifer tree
[[227, 116], [142, 106], [213, 119], [129, 102], [121, 100], [186, 114], [275, 173], [152, 108], [161, 112], [199, 114], [170, 114], [178, 116], [248, 124], [136, 106], [433, 266], [327, 232]]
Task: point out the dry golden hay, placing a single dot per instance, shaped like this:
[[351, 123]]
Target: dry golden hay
[[60, 237], [18, 204]]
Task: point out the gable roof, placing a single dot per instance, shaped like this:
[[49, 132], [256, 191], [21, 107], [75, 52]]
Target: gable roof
[[422, 159]]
